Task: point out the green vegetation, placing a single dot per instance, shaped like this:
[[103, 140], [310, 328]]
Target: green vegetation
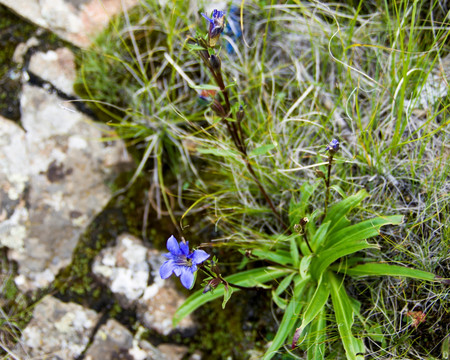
[[304, 73], [373, 76]]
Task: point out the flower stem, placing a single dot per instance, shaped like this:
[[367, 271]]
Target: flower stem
[[327, 184], [236, 133]]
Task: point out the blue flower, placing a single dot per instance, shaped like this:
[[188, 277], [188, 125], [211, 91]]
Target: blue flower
[[181, 261], [333, 146], [216, 26]]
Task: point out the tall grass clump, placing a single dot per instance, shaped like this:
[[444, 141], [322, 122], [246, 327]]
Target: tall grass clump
[[314, 138]]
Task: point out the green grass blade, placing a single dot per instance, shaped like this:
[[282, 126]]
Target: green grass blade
[[289, 319], [381, 269], [344, 318], [246, 278]]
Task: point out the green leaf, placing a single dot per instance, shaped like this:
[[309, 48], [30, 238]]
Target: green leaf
[[382, 269], [281, 303], [294, 251], [316, 348], [284, 284], [246, 278], [261, 150], [316, 303], [226, 295], [280, 256], [194, 47], [336, 213], [344, 318], [362, 230], [205, 87], [375, 332], [304, 265], [320, 235], [289, 319], [322, 260]]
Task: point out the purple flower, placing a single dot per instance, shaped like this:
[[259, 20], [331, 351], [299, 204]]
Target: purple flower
[[216, 25], [333, 146], [181, 262]]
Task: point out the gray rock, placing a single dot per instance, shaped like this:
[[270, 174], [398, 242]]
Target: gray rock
[[64, 166], [22, 48], [160, 300], [125, 269], [57, 330], [173, 352], [76, 21], [113, 341], [14, 179], [56, 67]]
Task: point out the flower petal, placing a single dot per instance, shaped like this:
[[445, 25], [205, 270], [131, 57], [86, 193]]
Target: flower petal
[[178, 270], [166, 269], [173, 246], [199, 256], [184, 248], [187, 278], [207, 18]]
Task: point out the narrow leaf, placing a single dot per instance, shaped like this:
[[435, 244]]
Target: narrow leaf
[[205, 87], [280, 256], [289, 319], [382, 269], [284, 284], [304, 265], [281, 303], [294, 252], [246, 278], [362, 230], [322, 260], [262, 150], [320, 235], [344, 318], [226, 295], [316, 304], [336, 213], [316, 349]]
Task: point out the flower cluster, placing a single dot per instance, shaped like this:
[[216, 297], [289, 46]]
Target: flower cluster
[[182, 262]]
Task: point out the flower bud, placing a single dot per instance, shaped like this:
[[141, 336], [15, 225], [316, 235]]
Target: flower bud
[[215, 62], [333, 146], [304, 221], [240, 114], [216, 26], [212, 284], [218, 109], [320, 174]]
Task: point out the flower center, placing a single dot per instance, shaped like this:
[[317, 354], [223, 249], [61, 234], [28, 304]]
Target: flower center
[[184, 261]]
